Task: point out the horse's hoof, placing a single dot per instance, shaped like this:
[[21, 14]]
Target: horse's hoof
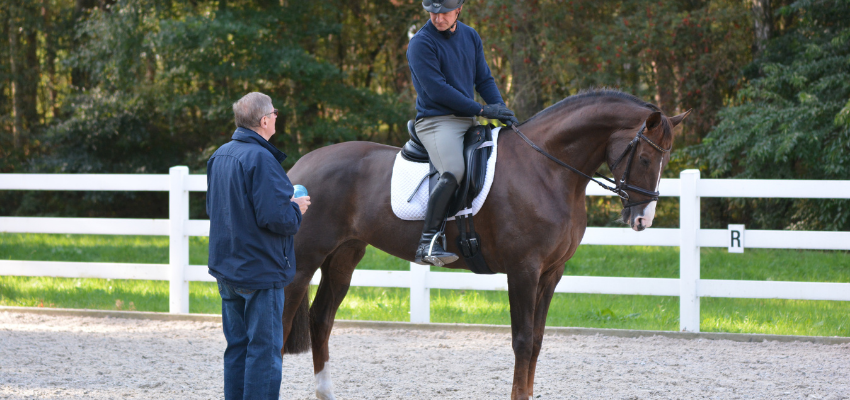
[[325, 396], [324, 388]]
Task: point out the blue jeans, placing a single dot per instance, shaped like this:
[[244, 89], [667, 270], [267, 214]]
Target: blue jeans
[[253, 327]]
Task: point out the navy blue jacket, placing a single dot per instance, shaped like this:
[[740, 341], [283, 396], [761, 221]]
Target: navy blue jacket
[[445, 71], [252, 220]]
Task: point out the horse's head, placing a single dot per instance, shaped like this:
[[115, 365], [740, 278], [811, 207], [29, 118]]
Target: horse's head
[[637, 159]]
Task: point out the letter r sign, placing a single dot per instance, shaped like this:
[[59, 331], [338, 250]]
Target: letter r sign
[[736, 238]]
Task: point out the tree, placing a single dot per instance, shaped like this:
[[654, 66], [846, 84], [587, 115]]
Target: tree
[[762, 24], [164, 76], [139, 85], [792, 121]]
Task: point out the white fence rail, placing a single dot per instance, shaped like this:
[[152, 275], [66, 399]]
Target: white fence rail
[[420, 280]]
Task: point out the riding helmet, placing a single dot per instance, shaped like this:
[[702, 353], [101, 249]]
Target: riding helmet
[[441, 6]]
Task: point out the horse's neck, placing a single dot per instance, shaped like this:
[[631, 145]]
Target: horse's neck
[[576, 140]]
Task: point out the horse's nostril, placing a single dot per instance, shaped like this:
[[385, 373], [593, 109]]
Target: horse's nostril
[[643, 222]]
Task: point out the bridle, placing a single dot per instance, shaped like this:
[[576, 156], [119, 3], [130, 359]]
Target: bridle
[[622, 187]]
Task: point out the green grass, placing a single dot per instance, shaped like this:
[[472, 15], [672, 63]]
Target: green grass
[[790, 317]]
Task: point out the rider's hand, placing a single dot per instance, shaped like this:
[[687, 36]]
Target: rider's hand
[[500, 112], [303, 202], [510, 121]]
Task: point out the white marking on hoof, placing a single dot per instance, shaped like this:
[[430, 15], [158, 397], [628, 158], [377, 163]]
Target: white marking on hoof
[[324, 386]]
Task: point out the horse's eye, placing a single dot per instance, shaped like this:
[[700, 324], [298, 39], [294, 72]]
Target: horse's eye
[[644, 161]]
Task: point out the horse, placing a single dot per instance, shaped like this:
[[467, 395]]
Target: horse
[[530, 224]]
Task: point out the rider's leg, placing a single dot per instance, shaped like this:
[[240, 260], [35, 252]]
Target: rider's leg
[[442, 136], [430, 250]]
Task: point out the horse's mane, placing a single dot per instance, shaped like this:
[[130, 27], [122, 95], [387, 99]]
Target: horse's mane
[[592, 94]]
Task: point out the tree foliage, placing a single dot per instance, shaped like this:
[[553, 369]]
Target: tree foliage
[[678, 54], [137, 86], [791, 120], [163, 78]]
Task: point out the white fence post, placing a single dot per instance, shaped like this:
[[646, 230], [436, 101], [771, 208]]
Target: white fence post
[[689, 224], [178, 241], [420, 296]]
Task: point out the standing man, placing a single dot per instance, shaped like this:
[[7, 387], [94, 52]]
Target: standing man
[[252, 256], [446, 59]]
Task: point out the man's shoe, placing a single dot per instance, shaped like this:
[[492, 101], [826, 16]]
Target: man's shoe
[[430, 250]]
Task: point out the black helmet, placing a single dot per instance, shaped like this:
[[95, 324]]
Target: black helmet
[[441, 6]]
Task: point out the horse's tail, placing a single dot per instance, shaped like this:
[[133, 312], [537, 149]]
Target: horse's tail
[[299, 336]]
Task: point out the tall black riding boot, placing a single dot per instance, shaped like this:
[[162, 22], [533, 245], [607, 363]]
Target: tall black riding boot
[[430, 250]]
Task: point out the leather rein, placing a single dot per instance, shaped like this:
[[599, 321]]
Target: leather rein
[[622, 187]]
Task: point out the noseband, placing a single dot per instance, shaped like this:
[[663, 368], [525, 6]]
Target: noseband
[[622, 187]]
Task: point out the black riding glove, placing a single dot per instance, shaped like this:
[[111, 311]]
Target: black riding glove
[[500, 112]]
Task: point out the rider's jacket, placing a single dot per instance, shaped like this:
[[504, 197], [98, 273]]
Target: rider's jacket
[[446, 70], [252, 220]]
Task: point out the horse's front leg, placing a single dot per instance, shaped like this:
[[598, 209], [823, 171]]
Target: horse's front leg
[[522, 293], [336, 277], [545, 290]]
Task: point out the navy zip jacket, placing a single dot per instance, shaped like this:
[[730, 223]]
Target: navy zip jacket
[[252, 220], [445, 71]]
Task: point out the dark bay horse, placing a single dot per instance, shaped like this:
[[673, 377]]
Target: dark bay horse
[[531, 224]]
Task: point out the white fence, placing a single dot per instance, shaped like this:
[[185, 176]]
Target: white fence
[[689, 237]]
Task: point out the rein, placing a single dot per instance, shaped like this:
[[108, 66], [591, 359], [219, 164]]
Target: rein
[[620, 188]]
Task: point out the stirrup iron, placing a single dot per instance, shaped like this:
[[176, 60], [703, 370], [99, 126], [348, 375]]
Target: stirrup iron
[[431, 259]]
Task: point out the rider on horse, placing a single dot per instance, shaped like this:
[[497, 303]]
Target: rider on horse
[[446, 61]]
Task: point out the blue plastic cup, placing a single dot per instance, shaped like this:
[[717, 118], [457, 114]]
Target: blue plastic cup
[[300, 191]]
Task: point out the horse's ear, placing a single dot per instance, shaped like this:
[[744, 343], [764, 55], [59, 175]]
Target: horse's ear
[[678, 119], [653, 120]]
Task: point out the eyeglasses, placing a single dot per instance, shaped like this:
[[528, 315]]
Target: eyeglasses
[[275, 112]]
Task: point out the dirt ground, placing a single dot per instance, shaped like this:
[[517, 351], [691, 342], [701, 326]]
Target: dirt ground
[[49, 357]]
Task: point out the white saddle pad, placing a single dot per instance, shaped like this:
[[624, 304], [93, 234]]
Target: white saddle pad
[[406, 179]]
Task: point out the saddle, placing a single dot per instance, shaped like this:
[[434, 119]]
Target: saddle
[[476, 152]]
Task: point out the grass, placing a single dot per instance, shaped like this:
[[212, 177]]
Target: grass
[[91, 293], [788, 317]]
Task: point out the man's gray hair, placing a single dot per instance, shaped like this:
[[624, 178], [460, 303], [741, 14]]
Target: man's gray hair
[[250, 109]]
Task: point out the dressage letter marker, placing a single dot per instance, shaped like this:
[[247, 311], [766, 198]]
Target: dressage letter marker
[[736, 238]]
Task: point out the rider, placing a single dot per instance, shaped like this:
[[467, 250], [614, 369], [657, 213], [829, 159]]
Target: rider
[[446, 60]]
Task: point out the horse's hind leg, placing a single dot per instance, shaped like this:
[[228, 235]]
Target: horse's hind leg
[[545, 291], [336, 277], [296, 330]]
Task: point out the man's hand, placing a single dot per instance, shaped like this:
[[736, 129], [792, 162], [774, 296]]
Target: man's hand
[[303, 202], [500, 112]]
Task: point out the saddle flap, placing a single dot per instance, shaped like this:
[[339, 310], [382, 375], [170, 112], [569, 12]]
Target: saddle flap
[[475, 156]]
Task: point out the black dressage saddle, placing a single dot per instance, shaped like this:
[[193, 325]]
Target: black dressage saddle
[[475, 159]]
